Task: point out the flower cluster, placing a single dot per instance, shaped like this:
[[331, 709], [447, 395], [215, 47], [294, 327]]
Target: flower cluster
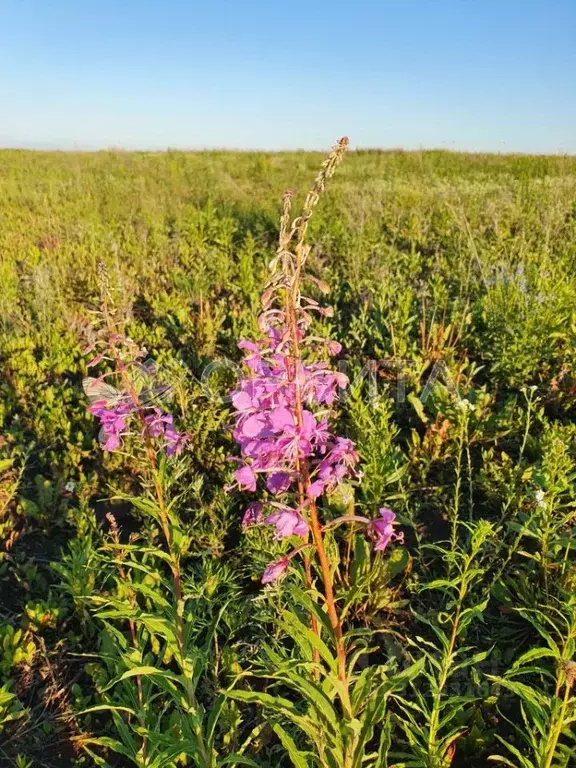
[[161, 425], [282, 407], [117, 408], [381, 530], [281, 425], [114, 424], [113, 421], [134, 405], [281, 422]]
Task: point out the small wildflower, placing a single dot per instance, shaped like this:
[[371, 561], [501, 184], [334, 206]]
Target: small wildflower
[[246, 478], [115, 410], [113, 421], [252, 515], [275, 570], [288, 522], [334, 347], [540, 498], [382, 530], [161, 425]]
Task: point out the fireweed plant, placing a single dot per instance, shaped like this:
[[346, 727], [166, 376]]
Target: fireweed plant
[[292, 457], [156, 640]]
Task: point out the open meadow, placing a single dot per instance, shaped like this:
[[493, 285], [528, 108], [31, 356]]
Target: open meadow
[[413, 524]]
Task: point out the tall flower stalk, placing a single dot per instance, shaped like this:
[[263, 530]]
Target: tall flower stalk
[[132, 410], [155, 427], [283, 408]]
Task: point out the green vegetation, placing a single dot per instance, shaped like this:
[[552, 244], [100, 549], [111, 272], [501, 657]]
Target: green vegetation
[[125, 641]]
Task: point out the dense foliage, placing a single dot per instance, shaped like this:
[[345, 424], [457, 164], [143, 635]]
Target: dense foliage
[[134, 626]]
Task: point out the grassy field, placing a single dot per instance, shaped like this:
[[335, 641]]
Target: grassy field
[[453, 283]]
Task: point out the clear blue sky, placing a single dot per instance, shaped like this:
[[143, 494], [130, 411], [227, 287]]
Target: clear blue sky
[[464, 74]]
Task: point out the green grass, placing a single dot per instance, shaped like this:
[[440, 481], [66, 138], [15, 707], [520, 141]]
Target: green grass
[[458, 265]]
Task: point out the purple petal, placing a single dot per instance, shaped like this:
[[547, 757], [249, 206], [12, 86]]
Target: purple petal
[[275, 570], [334, 347], [252, 515], [246, 478], [387, 515], [382, 529], [112, 442], [253, 425], [278, 482], [288, 522], [316, 489], [241, 401], [281, 418], [249, 345]]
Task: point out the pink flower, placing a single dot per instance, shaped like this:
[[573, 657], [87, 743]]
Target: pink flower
[[174, 441], [253, 425], [252, 515], [254, 358], [249, 345], [241, 401], [316, 488], [383, 530], [275, 570], [288, 522], [113, 421], [339, 462], [278, 482], [280, 420], [161, 425], [324, 384], [334, 347], [112, 442], [117, 409], [94, 361], [246, 478]]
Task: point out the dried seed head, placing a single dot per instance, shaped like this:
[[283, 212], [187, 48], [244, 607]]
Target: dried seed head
[[113, 527], [570, 672], [103, 278]]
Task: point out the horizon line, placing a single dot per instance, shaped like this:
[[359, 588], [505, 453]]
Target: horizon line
[[46, 147]]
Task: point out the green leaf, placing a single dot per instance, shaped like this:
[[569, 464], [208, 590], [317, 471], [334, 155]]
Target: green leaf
[[298, 758], [279, 705], [106, 741], [399, 681], [524, 762], [529, 656], [305, 636], [237, 759], [416, 403], [477, 658], [315, 696], [213, 717], [525, 692], [105, 708], [142, 671]]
